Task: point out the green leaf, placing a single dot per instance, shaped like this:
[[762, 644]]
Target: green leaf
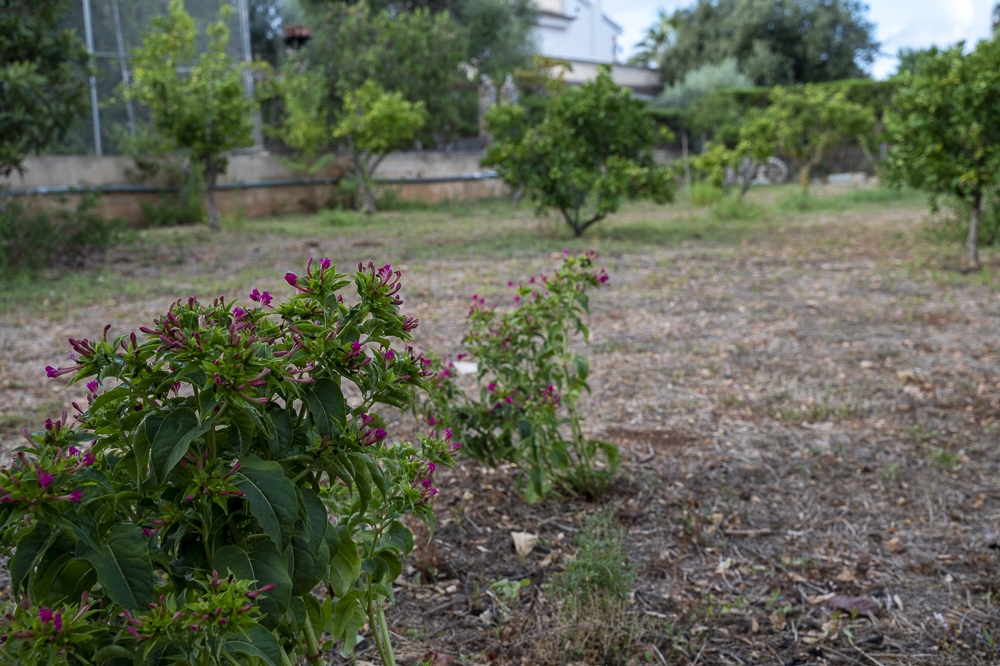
[[172, 440], [348, 617], [398, 538], [262, 644], [265, 565], [612, 454], [124, 568], [316, 517], [374, 470], [306, 571], [112, 652], [283, 432], [582, 367], [345, 565], [30, 546], [272, 497], [326, 404]]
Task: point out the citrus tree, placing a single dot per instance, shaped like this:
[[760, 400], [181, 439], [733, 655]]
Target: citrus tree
[[372, 123], [943, 128], [42, 86], [803, 123], [197, 103], [576, 160]]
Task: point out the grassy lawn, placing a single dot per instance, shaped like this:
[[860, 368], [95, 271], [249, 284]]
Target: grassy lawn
[[805, 394]]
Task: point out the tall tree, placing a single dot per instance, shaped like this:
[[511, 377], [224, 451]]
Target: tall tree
[[499, 34], [413, 53], [197, 103], [943, 128], [658, 40], [774, 41], [42, 82]]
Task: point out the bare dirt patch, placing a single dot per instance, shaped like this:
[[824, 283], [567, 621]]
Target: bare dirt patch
[[806, 417]]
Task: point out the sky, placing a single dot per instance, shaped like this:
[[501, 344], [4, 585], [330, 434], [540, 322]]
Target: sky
[[899, 23]]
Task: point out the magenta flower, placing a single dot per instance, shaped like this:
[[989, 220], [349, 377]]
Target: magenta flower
[[92, 387], [52, 373], [48, 424], [57, 621], [389, 355], [89, 459], [147, 531], [75, 496], [263, 298], [508, 400], [324, 264], [44, 614], [238, 315], [292, 279]]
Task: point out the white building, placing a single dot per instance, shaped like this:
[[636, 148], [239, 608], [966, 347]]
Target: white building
[[579, 31]]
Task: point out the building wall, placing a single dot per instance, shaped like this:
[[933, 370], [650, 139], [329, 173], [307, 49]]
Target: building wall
[[577, 31], [75, 170]]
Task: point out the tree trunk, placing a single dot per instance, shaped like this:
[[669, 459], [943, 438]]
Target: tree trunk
[[211, 176], [973, 245], [364, 187], [804, 178]]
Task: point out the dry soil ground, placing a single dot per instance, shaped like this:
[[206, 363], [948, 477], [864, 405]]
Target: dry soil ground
[[806, 406]]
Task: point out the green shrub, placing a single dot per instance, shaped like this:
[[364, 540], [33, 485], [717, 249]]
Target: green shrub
[[735, 208], [338, 217], [64, 238], [705, 194], [216, 475], [529, 385]]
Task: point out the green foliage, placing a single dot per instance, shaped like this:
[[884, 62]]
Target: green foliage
[[197, 103], [305, 127], [785, 42], [172, 208], [499, 34], [574, 160], [372, 123], [943, 130], [657, 42], [706, 194], [802, 123], [529, 386], [600, 569], [218, 474], [693, 96], [413, 53], [42, 82], [730, 209], [29, 243]]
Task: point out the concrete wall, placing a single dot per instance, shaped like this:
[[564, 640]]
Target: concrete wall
[[75, 170]]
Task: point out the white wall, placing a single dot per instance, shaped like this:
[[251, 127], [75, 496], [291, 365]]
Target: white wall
[[581, 33]]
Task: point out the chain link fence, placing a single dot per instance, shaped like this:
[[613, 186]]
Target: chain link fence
[[111, 29]]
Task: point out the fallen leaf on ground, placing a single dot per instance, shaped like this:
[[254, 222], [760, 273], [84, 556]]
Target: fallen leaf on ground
[[895, 545], [846, 576], [797, 578], [524, 542], [549, 559], [861, 605]]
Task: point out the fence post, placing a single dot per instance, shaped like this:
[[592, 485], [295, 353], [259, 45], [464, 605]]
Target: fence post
[[122, 60], [244, 14], [88, 32]]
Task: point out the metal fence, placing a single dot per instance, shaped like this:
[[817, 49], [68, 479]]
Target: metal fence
[[111, 29]]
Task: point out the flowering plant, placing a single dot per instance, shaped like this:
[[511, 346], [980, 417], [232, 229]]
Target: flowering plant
[[529, 385], [219, 501]]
